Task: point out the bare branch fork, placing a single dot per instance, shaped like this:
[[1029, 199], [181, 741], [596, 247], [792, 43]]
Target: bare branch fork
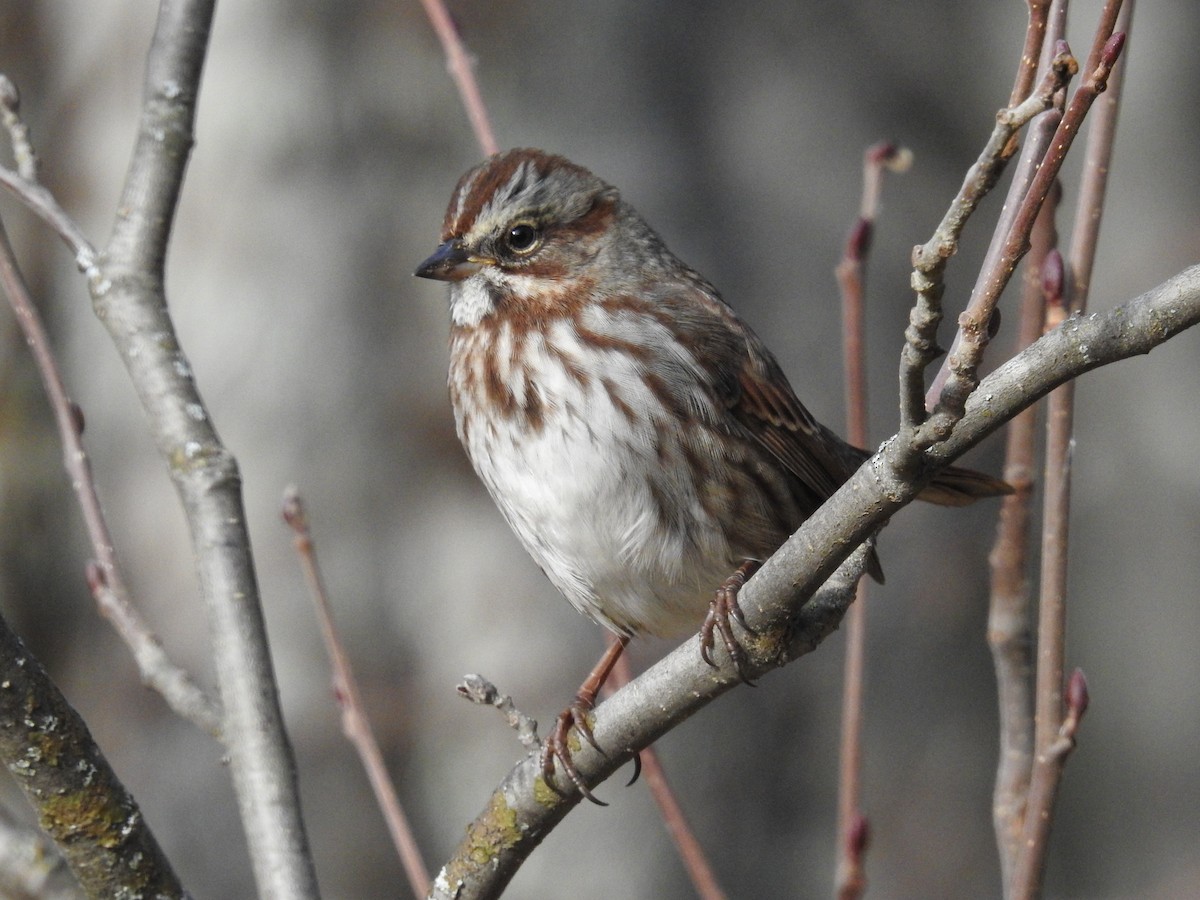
[[104, 575]]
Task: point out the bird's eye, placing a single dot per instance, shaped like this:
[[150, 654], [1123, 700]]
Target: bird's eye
[[523, 238]]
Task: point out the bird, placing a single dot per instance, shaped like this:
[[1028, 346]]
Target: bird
[[639, 438]]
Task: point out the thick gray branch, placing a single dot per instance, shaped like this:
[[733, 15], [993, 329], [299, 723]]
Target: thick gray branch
[[80, 803], [523, 810]]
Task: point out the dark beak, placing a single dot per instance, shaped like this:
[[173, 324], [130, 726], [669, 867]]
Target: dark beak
[[450, 262]]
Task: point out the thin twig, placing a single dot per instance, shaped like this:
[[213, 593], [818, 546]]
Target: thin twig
[[1051, 728], [850, 876], [976, 321], [1094, 181], [690, 851], [930, 259], [104, 575], [1043, 791], [461, 69], [482, 692], [355, 723], [24, 183], [1052, 592], [1010, 625], [1031, 53], [1041, 132]]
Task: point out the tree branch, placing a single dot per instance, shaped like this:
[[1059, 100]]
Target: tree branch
[[1037, 144], [356, 725], [81, 804], [104, 574], [523, 810], [1010, 628], [975, 321], [130, 300], [930, 259], [850, 876]]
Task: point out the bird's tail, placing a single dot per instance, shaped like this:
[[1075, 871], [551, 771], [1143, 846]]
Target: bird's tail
[[954, 486]]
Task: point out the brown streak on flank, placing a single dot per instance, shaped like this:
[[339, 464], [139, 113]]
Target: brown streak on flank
[[781, 513], [534, 408], [598, 341], [639, 306], [618, 402], [707, 488], [661, 441], [570, 365], [675, 406], [669, 514]]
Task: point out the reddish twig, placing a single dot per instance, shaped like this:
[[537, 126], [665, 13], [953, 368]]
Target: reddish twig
[[1031, 53], [1010, 622], [1054, 732], [694, 859], [1094, 184], [850, 877], [462, 71], [1056, 520], [1010, 628], [1043, 791], [355, 724]]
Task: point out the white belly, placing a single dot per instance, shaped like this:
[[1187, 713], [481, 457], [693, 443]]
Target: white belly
[[581, 478]]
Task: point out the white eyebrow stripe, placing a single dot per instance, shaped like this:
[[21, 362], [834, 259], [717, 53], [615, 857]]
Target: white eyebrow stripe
[[509, 194]]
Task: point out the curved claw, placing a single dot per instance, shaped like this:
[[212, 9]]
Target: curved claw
[[556, 747], [637, 770], [724, 606]]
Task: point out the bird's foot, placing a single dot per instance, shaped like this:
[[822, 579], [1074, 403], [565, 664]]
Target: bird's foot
[[723, 607]]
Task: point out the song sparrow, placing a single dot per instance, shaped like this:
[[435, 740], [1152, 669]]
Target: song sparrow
[[640, 439]]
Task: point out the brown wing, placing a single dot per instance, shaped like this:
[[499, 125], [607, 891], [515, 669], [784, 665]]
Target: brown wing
[[822, 459], [752, 386], [771, 412], [754, 389]]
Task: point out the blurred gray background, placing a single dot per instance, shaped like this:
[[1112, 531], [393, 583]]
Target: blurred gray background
[[329, 138]]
